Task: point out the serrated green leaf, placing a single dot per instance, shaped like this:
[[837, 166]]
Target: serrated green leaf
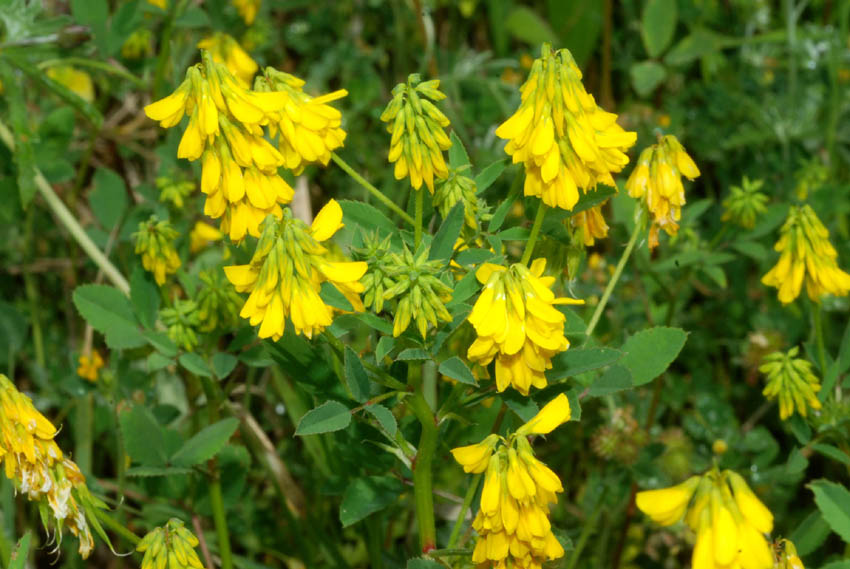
[[515, 234], [366, 216], [18, 559], [525, 24], [367, 495], [443, 244], [832, 452], [811, 533], [833, 501], [355, 375], [223, 364], [108, 198], [658, 24], [161, 342], [331, 296], [144, 295], [384, 416], [151, 471], [699, 43], [473, 256], [109, 312], [651, 351], [457, 370], [206, 444], [457, 153], [524, 407], [327, 417], [646, 76], [615, 378], [194, 363], [579, 360], [384, 347], [144, 439], [489, 174], [413, 354], [375, 322]]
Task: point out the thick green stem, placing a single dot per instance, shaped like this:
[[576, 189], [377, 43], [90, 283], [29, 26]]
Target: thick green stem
[[376, 193], [535, 231], [70, 222], [594, 320], [422, 476], [419, 201], [116, 526], [467, 501]]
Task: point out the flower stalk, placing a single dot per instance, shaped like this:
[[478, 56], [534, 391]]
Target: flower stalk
[[375, 192], [422, 475], [535, 231]]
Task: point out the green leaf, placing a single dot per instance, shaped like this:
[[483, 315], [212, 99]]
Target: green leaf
[[833, 500], [646, 76], [161, 342], [206, 444], [457, 153], [658, 24], [376, 322], [327, 417], [592, 199], [503, 209], [108, 198], [796, 463], [524, 407], [457, 370], [413, 354], [18, 558], [843, 359], [194, 363], [110, 313], [144, 295], [420, 563], [223, 364], [367, 495], [144, 439], [19, 120], [355, 375], [489, 174], [524, 24], [366, 216], [832, 452], [150, 471], [616, 378], [810, 534], [651, 351], [473, 256], [93, 13], [579, 360], [384, 416], [515, 234], [464, 289], [331, 296], [384, 347], [443, 244], [751, 249], [844, 564], [699, 43]]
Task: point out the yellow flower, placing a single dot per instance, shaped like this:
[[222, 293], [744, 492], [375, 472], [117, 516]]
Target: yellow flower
[[161, 4], [36, 466], [791, 379], [589, 225], [247, 9], [202, 235], [566, 142], [517, 324], [90, 365], [224, 49], [786, 555], [286, 273], [417, 128], [657, 182], [730, 522], [155, 243], [513, 520], [172, 546], [308, 128], [806, 254], [73, 79]]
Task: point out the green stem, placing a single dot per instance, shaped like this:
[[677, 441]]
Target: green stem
[[116, 526], [376, 193], [594, 320], [535, 231], [586, 530], [93, 64], [70, 222], [422, 476], [818, 325], [32, 297], [419, 201], [373, 543], [467, 501], [219, 518]]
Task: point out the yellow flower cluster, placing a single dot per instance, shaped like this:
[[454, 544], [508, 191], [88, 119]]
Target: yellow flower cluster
[[171, 546], [806, 254], [417, 128], [33, 461], [225, 49], [517, 324], [730, 522], [155, 243], [791, 380], [286, 273], [89, 366], [309, 128], [513, 520], [239, 166], [566, 142], [657, 182], [589, 225]]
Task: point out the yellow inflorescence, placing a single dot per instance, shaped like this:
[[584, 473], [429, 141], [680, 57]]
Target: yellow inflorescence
[[172, 546], [308, 128], [89, 366], [730, 522], [417, 128], [786, 556], [225, 49], [657, 182], [517, 324], [790, 379], [286, 273], [74, 80], [202, 236], [589, 225], [513, 520], [806, 254], [566, 142], [247, 9], [155, 243], [35, 464]]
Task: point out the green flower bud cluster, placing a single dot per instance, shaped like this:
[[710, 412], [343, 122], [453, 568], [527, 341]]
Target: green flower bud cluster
[[745, 204], [171, 546], [174, 191], [791, 380], [218, 302], [459, 188], [376, 253], [416, 125], [181, 320], [155, 243]]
